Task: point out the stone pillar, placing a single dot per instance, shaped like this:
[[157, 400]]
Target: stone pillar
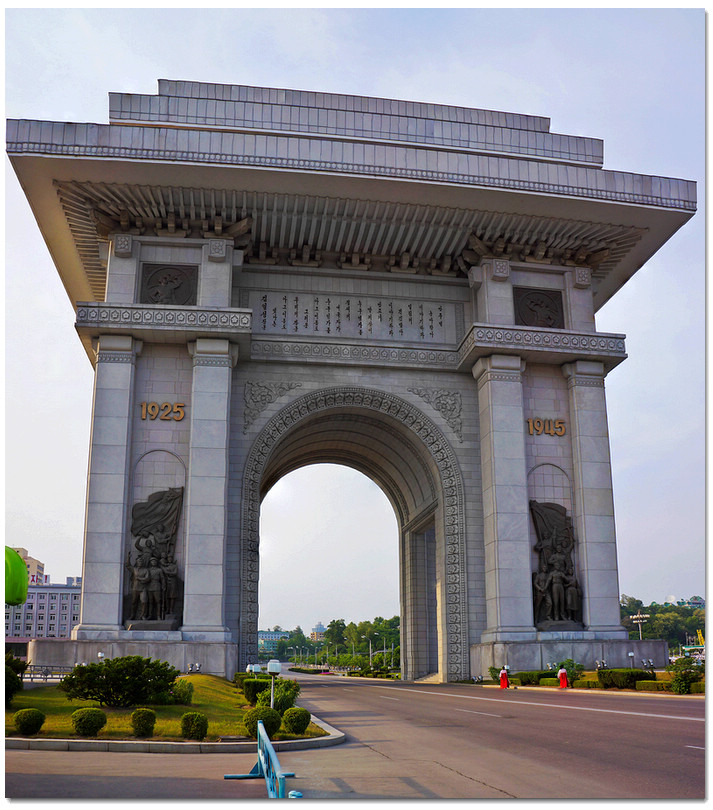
[[215, 277], [206, 504], [594, 501], [508, 580], [107, 488]]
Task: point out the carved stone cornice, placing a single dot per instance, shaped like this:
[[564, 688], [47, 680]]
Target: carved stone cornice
[[538, 345], [163, 324], [361, 354]]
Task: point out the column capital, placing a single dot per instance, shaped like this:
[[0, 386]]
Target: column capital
[[505, 367], [213, 352], [584, 372], [117, 348]]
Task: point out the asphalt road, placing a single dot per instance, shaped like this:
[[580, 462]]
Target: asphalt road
[[463, 741], [423, 741]]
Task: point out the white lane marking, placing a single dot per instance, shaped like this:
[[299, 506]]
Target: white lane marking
[[485, 713], [547, 705], [383, 697], [698, 747]]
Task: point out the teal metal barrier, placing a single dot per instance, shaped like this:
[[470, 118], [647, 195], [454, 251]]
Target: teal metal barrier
[[268, 766]]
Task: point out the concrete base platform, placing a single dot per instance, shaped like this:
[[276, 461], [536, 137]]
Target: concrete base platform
[[215, 658], [533, 655]]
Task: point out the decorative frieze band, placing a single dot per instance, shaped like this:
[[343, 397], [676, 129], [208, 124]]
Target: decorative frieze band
[[305, 351], [116, 357]]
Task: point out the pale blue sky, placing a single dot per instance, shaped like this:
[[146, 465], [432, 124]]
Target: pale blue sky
[[634, 78]]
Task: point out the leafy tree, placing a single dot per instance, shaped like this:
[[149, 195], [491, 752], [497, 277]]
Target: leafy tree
[[334, 634], [122, 682]]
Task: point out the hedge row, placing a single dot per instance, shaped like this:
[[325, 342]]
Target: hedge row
[[623, 678]]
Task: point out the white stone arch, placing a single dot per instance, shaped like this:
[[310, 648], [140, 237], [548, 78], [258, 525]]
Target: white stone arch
[[435, 468]]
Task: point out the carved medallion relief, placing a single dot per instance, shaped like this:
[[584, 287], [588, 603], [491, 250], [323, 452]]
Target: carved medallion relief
[[169, 284]]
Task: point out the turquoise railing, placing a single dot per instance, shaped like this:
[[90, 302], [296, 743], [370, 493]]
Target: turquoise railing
[[267, 766]]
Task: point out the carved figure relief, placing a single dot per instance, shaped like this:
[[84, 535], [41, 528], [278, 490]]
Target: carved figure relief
[[156, 589], [557, 595]]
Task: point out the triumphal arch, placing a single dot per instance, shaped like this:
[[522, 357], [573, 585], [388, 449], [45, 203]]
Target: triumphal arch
[[269, 278]]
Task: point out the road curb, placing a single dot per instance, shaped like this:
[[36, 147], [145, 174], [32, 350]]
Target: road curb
[[334, 737]]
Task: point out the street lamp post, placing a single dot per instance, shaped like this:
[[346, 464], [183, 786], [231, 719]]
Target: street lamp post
[[369, 651], [640, 619]]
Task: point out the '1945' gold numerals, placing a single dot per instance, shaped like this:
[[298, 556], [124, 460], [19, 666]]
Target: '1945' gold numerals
[[165, 410], [552, 427]]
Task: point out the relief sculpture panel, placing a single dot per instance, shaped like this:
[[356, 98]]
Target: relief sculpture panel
[[556, 592], [155, 596]]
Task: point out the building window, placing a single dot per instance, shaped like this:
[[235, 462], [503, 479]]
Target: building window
[[43, 596]]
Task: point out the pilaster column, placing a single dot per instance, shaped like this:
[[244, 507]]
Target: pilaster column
[[594, 501], [206, 512], [508, 579], [107, 488]]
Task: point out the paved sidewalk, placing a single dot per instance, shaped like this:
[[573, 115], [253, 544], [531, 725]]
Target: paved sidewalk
[[104, 775]]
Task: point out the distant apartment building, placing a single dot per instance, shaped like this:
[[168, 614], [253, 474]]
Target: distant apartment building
[[317, 633], [50, 611], [267, 640], [35, 568]]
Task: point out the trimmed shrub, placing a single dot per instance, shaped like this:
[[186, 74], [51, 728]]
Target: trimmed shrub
[[28, 721], [531, 677], [494, 673], [13, 684], [698, 688], [286, 692], [182, 692], [685, 672], [270, 719], [653, 686], [574, 670], [88, 722], [127, 681], [194, 726], [586, 683], [252, 688], [296, 720], [549, 681], [143, 722], [623, 678]]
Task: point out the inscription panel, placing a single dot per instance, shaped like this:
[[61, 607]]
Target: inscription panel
[[355, 316]]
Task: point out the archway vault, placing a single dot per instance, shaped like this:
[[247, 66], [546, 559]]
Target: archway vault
[[392, 442]]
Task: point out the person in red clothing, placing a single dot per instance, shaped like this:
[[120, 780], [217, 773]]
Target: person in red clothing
[[562, 675], [504, 683]]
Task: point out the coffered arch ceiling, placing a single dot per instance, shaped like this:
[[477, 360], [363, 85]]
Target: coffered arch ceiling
[[374, 445]]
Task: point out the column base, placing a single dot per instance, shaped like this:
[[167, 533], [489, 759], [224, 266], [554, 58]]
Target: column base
[[504, 634], [211, 634], [92, 632]]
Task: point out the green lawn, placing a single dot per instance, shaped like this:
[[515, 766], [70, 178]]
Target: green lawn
[[218, 699]]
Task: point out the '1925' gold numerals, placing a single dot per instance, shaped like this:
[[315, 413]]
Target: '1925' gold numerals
[[551, 427], [164, 410]]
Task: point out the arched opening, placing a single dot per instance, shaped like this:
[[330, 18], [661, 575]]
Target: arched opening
[[396, 446], [329, 549]]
